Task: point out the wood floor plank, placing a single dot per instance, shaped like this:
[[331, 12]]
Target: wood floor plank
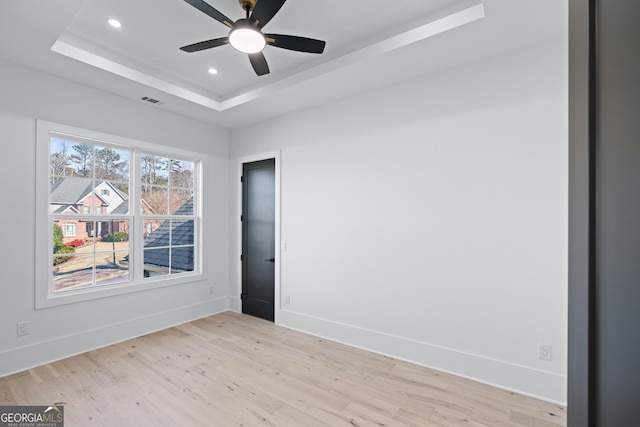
[[235, 370]]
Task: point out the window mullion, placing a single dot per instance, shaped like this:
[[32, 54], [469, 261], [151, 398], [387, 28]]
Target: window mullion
[[138, 226]]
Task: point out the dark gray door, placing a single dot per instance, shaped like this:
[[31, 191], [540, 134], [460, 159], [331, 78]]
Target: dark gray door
[[258, 238], [618, 214], [604, 335]]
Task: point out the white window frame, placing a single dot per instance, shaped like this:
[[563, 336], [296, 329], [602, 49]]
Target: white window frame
[[45, 297]]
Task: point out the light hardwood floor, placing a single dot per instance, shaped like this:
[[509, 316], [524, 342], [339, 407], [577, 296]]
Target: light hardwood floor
[[235, 370]]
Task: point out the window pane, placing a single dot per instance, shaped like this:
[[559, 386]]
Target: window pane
[[112, 267], [66, 231], [149, 226], [69, 236], [78, 262], [153, 170], [86, 179], [181, 202], [156, 262], [72, 272], [181, 232], [182, 174], [110, 164], [155, 201], [111, 197], [158, 233], [64, 160], [70, 195], [181, 260]]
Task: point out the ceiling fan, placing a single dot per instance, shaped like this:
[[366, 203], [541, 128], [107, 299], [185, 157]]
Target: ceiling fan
[[246, 34]]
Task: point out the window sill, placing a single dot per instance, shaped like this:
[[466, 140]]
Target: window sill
[[51, 299]]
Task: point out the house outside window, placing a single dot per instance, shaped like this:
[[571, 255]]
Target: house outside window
[[140, 232]]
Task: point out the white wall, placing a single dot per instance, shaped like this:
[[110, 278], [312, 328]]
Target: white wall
[[428, 220], [66, 330]]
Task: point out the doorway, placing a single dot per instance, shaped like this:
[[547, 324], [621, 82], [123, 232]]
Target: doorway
[[259, 238]]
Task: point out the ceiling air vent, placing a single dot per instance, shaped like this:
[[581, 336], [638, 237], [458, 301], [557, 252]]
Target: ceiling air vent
[[150, 100]]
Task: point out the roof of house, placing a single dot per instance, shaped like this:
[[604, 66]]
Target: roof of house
[[122, 208], [64, 208], [181, 234], [70, 190]]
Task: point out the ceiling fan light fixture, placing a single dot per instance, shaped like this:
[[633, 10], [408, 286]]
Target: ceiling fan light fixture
[[246, 38]]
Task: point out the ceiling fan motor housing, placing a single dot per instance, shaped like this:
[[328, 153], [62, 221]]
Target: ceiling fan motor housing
[[248, 4]]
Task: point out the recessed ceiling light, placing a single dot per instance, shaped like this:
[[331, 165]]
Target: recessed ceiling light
[[213, 71], [114, 23]]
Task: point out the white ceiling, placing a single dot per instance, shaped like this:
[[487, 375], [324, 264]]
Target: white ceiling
[[369, 44]]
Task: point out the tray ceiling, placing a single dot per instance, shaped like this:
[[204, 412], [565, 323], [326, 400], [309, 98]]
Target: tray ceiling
[[368, 44]]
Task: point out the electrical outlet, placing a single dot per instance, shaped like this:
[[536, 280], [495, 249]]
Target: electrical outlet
[[23, 329], [544, 351], [287, 299], [211, 290]]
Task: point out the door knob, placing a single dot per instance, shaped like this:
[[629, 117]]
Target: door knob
[[271, 260]]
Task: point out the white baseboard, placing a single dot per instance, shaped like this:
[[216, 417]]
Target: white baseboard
[[37, 354], [528, 381], [235, 304]]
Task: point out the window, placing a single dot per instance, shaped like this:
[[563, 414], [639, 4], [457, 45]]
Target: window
[[136, 204], [167, 192], [69, 229]]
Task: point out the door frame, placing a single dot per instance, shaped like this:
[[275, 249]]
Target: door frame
[[581, 370], [238, 227]]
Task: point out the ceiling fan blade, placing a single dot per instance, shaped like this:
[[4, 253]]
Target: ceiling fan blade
[[264, 10], [204, 7], [259, 63], [208, 44], [300, 44]]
